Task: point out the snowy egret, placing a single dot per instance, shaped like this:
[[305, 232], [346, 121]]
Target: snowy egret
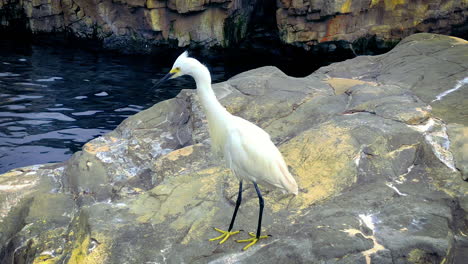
[[247, 149]]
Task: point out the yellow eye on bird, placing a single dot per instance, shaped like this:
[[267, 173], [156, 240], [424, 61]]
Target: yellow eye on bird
[[175, 70]]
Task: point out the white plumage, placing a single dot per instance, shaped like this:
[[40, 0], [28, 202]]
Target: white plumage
[[251, 155], [247, 149]]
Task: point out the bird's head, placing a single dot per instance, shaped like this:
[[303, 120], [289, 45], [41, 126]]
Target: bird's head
[[182, 66]]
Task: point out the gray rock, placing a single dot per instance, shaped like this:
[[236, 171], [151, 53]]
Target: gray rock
[[459, 147], [376, 170]]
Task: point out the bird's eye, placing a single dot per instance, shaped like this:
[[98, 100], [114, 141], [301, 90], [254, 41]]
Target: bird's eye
[[177, 69]]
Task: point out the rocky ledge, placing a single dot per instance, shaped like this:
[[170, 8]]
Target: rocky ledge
[[377, 145]]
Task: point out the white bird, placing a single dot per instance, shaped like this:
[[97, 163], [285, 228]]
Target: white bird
[[247, 149]]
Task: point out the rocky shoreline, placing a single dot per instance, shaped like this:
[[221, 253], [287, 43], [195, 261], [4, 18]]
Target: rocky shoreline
[[380, 164]]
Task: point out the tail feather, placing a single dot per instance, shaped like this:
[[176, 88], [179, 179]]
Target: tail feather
[[287, 180]]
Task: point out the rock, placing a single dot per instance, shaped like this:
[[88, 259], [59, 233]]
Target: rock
[[132, 3], [376, 170], [306, 23], [459, 147], [144, 26], [182, 6], [155, 4], [133, 26]]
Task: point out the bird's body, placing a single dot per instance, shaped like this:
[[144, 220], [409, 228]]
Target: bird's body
[[251, 155], [246, 148]]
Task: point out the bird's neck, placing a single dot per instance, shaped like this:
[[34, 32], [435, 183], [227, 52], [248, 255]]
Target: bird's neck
[[218, 117], [211, 105]]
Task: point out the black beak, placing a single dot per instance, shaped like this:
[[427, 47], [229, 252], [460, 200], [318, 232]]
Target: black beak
[[163, 79]]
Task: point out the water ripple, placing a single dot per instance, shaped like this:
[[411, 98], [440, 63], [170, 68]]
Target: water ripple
[[52, 101], [38, 116], [51, 79]]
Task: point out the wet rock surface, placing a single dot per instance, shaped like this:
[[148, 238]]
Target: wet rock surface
[[379, 173]]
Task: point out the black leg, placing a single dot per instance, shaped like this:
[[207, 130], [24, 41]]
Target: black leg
[[260, 200], [238, 203]]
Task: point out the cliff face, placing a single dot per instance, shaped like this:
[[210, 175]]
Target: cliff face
[[137, 25], [140, 25], [308, 22]]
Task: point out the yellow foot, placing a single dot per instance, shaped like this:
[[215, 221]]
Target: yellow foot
[[252, 240], [225, 235]]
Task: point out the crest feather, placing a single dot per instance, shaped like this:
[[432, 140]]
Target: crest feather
[[184, 54], [181, 58]]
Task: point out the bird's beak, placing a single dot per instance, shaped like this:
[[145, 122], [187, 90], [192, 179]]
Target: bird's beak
[[163, 79], [166, 77]]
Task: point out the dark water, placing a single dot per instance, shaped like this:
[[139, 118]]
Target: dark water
[[52, 100]]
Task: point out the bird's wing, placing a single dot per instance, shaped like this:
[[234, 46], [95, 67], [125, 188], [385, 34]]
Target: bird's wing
[[251, 154]]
